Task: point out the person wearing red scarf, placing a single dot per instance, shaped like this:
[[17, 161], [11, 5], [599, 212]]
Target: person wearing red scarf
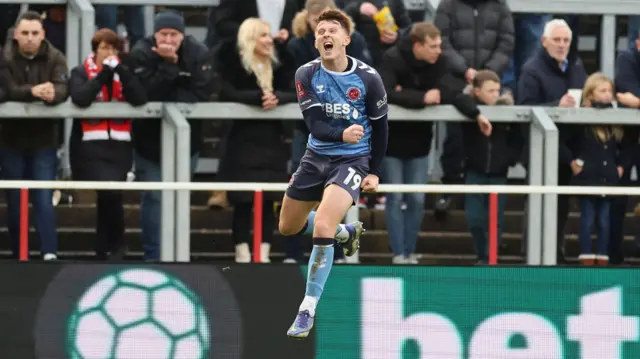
[[101, 149]]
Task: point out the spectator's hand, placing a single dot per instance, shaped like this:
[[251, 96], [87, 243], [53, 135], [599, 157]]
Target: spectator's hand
[[575, 168], [37, 90], [388, 37], [167, 52], [567, 101], [628, 99], [282, 35], [485, 125], [353, 134], [370, 183], [470, 75], [432, 97], [111, 62], [44, 91], [620, 171], [49, 92], [368, 9], [269, 101]]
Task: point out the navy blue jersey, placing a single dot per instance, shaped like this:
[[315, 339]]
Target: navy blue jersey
[[355, 96]]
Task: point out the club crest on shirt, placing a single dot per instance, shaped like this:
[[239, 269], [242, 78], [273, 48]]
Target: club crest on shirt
[[353, 94]]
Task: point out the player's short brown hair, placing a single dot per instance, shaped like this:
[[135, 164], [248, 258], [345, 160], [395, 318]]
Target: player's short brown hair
[[483, 76], [336, 15], [421, 30]]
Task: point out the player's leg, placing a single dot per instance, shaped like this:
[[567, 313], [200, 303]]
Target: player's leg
[[305, 190], [335, 203], [296, 216]]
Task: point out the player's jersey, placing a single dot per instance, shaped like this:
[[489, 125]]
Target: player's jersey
[[355, 96]]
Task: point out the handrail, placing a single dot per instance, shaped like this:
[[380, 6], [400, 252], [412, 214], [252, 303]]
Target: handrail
[[236, 111]]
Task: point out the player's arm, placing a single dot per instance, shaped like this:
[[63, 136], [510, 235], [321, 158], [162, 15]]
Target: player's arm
[[314, 117], [377, 109]]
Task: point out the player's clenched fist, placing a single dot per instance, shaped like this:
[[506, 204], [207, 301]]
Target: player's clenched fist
[[353, 134], [370, 183]]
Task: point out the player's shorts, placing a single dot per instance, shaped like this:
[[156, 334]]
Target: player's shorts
[[317, 171]]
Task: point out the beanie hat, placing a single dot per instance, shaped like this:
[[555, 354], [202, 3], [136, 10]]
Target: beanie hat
[[168, 20]]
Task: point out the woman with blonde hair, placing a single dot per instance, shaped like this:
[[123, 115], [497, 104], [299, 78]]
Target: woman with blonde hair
[[599, 163], [253, 150]]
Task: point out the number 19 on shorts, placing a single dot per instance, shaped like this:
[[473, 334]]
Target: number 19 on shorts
[[354, 178]]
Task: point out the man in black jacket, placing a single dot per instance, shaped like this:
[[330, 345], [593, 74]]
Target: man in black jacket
[[412, 72], [38, 73], [172, 67], [489, 152], [476, 35], [545, 80]]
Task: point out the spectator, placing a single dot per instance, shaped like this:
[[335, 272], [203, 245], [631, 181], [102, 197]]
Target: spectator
[[302, 45], [627, 80], [599, 163], [490, 149], [379, 21], [254, 150], [277, 13], [476, 35], [38, 73], [412, 71], [633, 31], [302, 49], [171, 67], [528, 31], [107, 17], [545, 81], [101, 149]]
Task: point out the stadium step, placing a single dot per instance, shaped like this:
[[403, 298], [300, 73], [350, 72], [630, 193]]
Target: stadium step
[[375, 243]]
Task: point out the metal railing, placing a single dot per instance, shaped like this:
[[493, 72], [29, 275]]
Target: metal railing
[[176, 151]]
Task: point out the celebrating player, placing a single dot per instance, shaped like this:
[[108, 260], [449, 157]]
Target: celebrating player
[[344, 105]]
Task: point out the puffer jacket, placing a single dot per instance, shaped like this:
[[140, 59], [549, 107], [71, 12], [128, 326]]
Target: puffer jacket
[[476, 34]]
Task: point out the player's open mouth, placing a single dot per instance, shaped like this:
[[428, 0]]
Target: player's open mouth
[[328, 46]]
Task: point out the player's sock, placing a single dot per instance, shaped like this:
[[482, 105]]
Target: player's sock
[[342, 234], [307, 230], [320, 264]]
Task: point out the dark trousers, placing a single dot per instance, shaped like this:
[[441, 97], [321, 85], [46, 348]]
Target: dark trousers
[[243, 222], [110, 225], [38, 165], [592, 207], [476, 207], [107, 17]]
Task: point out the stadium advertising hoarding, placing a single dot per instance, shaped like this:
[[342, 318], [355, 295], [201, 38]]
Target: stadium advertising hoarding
[[479, 313], [84, 311]]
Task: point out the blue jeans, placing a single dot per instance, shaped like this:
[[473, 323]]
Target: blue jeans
[[39, 165], [403, 228], [528, 31], [476, 207], [107, 17], [292, 247], [590, 208], [150, 206]]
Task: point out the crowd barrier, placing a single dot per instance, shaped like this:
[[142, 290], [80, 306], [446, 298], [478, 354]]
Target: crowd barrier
[[236, 311], [542, 167], [175, 246]]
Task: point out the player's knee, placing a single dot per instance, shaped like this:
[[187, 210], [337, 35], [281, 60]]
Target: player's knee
[[287, 228], [324, 228]]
